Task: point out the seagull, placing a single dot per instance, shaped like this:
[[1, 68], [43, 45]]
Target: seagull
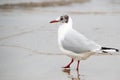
[[74, 44]]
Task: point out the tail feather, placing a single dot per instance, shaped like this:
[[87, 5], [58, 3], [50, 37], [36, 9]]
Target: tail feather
[[106, 49]]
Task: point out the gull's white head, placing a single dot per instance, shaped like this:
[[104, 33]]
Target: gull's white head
[[64, 19]]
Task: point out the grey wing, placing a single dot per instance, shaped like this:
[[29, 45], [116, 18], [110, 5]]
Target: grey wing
[[77, 43]]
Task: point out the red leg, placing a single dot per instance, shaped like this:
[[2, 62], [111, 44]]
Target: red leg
[[78, 65], [68, 66]]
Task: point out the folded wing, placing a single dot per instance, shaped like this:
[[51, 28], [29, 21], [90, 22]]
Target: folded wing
[[77, 43]]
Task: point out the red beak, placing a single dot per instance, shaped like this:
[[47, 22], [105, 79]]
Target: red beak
[[54, 21]]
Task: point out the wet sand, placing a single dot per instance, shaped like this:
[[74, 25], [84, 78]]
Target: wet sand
[[44, 3], [29, 50]]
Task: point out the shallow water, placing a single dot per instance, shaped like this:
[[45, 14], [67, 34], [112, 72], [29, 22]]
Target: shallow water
[[22, 64], [29, 50]]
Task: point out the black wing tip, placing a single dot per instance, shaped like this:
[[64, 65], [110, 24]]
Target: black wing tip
[[105, 48], [117, 50]]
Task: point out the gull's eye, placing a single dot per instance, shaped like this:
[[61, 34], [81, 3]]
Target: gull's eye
[[61, 18]]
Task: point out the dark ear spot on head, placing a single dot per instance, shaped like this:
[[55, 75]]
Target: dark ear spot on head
[[66, 18]]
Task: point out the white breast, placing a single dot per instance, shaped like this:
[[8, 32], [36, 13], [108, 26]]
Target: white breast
[[62, 31]]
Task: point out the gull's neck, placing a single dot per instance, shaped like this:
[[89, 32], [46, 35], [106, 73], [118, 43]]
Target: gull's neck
[[64, 29]]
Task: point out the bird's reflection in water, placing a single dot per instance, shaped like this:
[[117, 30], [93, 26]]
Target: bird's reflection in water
[[72, 74]]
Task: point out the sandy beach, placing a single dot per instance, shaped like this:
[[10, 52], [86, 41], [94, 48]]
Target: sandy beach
[[29, 48]]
